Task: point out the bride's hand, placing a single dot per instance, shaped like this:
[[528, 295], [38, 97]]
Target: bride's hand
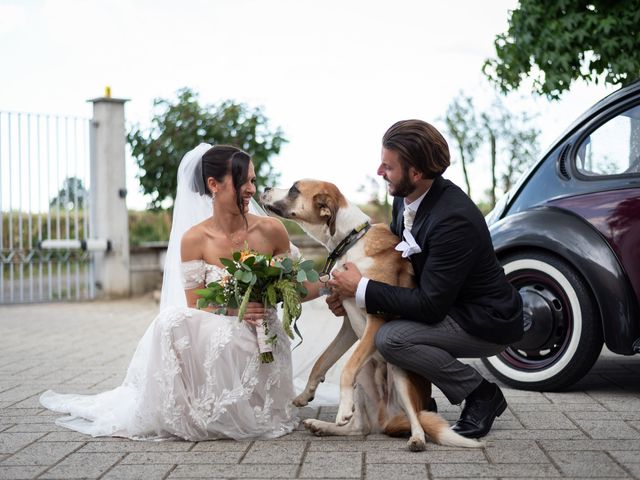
[[254, 313]]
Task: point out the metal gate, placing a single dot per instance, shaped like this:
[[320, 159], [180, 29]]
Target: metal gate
[[44, 195]]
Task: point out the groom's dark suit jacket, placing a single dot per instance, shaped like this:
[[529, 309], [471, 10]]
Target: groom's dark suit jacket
[[457, 271]]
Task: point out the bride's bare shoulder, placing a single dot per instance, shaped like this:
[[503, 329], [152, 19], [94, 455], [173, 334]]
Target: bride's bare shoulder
[[191, 243], [268, 225], [273, 229]]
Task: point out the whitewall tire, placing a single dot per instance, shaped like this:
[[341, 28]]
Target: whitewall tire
[[563, 335]]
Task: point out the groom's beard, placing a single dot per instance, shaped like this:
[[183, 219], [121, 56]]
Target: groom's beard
[[403, 188]]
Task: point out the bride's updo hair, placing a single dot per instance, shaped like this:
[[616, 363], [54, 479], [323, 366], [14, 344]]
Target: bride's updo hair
[[221, 160]]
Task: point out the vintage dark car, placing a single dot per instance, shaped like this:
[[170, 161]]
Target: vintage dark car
[[568, 237]]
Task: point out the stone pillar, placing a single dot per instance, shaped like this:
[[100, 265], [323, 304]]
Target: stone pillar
[[109, 218]]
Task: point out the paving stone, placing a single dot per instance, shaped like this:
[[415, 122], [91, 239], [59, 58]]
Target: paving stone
[[12, 442], [601, 429], [390, 444], [19, 473], [265, 452], [625, 456], [634, 468], [135, 472], [182, 457], [527, 398], [377, 471], [462, 478], [234, 471], [568, 397], [589, 444], [19, 412], [552, 407], [221, 446], [19, 393], [109, 331], [500, 424], [126, 446], [332, 465], [545, 420], [585, 464], [31, 402], [535, 434], [582, 415], [42, 453], [466, 470], [515, 451], [34, 427], [82, 465], [306, 436], [434, 456], [65, 435]]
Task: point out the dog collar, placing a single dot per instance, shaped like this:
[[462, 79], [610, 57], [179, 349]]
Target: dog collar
[[355, 235]]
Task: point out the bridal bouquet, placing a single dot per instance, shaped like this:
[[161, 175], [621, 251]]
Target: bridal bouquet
[[254, 277]]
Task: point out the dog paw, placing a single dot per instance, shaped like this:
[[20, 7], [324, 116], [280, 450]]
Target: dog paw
[[417, 444], [313, 426], [302, 400], [345, 413]]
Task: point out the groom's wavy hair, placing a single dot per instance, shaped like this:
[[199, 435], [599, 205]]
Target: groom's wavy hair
[[419, 145], [221, 160]]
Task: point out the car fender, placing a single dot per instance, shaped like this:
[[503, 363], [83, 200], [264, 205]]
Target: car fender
[[571, 238]]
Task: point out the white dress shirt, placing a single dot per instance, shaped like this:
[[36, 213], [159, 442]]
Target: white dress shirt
[[362, 285]]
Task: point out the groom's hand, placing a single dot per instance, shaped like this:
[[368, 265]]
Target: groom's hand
[[345, 282]]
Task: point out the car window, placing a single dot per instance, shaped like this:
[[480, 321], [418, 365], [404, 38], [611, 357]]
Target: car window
[[613, 148]]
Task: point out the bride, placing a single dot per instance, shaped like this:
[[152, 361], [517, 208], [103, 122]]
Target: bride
[[196, 374]]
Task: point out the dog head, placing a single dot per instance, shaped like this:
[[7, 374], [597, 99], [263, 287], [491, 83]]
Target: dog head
[[308, 202]]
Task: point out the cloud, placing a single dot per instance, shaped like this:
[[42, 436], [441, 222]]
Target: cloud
[[12, 17]]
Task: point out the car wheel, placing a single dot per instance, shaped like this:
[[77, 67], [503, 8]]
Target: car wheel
[[563, 335]]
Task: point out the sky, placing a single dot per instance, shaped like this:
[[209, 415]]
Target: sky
[[333, 74]]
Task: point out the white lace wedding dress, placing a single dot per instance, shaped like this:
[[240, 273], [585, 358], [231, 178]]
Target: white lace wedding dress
[[195, 375]]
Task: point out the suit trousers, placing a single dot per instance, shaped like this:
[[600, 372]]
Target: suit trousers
[[432, 351]]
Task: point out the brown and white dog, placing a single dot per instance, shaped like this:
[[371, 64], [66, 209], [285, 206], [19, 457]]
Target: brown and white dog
[[375, 396]]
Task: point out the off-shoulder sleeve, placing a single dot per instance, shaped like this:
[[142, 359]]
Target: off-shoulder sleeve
[[193, 273]]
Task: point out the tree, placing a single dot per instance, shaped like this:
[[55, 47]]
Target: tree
[[511, 139], [462, 125], [72, 195], [180, 125], [379, 210], [513, 136], [558, 41], [521, 148]]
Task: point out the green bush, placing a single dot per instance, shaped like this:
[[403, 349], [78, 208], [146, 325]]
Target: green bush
[[149, 226]]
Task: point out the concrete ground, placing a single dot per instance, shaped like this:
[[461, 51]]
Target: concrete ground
[[592, 431]]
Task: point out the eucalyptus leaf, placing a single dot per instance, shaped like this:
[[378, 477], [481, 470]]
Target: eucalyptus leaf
[[301, 276]]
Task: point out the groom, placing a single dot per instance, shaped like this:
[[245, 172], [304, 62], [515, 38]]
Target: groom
[[463, 306]]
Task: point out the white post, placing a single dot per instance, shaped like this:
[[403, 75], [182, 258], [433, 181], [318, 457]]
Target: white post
[[109, 218]]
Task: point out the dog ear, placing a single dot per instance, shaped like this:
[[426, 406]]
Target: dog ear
[[327, 208]]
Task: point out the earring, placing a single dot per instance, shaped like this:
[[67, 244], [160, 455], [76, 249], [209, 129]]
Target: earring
[[213, 196]]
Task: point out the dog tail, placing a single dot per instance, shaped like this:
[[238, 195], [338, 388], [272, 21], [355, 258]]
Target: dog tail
[[438, 429], [434, 426]]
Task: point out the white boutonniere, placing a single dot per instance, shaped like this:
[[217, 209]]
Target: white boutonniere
[[408, 246]]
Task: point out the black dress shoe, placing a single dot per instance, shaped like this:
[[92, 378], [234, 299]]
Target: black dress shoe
[[478, 415]]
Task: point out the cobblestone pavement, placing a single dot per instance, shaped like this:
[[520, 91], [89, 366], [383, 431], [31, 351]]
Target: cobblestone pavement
[[591, 432]]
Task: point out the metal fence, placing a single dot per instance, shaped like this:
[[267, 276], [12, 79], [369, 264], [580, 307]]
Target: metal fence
[[44, 185]]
